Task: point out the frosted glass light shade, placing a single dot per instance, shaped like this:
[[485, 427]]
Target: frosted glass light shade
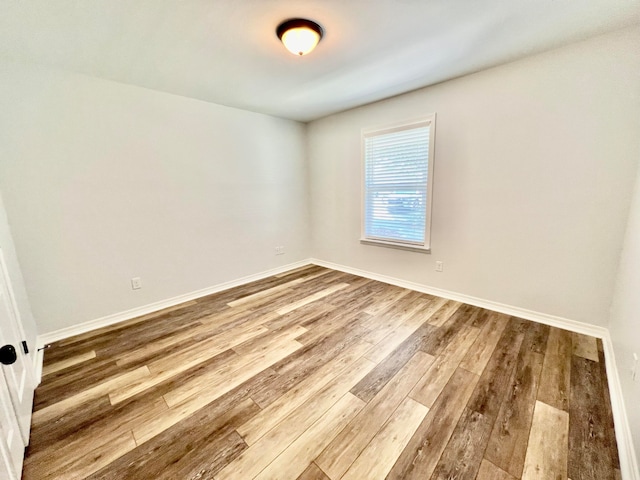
[[299, 36], [300, 41]]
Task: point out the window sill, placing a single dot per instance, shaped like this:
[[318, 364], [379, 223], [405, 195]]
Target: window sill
[[399, 246]]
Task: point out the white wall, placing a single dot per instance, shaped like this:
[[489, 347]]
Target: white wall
[[17, 283], [625, 317], [104, 182], [534, 168]]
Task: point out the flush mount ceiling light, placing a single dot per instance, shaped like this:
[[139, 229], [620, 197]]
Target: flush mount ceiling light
[[299, 36]]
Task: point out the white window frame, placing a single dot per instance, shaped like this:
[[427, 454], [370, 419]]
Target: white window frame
[[428, 120]]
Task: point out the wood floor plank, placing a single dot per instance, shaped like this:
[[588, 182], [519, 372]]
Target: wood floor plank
[[463, 455], [589, 442], [309, 313], [220, 320], [479, 320], [460, 343], [327, 328], [69, 362], [82, 467], [54, 410], [472, 314], [419, 458], [216, 323], [210, 391], [548, 444], [390, 319], [97, 421], [207, 347], [555, 380], [44, 436], [303, 269], [443, 314], [311, 298], [264, 339], [140, 338], [488, 471], [327, 324], [270, 416], [125, 338], [171, 365], [307, 289], [497, 375], [408, 326], [219, 299], [259, 301], [165, 346], [585, 346], [66, 383], [225, 375], [337, 346], [508, 443], [341, 277], [391, 296], [481, 351], [142, 384], [536, 337], [313, 472], [359, 288], [369, 386], [336, 459], [297, 457], [445, 334], [267, 292], [207, 460], [253, 460], [205, 441], [92, 437], [436, 377], [377, 459], [121, 326]]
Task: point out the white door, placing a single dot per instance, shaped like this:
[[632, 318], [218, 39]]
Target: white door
[[11, 445], [16, 383]]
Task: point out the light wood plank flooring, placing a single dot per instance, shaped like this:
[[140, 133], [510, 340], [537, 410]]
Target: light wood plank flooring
[[318, 374]]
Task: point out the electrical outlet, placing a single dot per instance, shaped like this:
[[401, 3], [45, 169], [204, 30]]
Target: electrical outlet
[[136, 283], [634, 368], [439, 267], [280, 250]]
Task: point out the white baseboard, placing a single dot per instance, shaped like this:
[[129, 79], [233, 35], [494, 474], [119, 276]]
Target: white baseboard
[[628, 461], [626, 452], [85, 327]]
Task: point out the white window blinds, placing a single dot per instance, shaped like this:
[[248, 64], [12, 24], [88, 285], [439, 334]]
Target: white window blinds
[[396, 184]]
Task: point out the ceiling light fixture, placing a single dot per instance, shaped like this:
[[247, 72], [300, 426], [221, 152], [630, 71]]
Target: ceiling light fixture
[[299, 36]]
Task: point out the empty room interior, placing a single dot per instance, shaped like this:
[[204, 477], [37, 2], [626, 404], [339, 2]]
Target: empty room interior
[[320, 239]]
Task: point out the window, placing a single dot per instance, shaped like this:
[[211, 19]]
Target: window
[[398, 174]]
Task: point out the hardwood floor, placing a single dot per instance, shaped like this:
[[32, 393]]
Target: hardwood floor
[[318, 374]]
